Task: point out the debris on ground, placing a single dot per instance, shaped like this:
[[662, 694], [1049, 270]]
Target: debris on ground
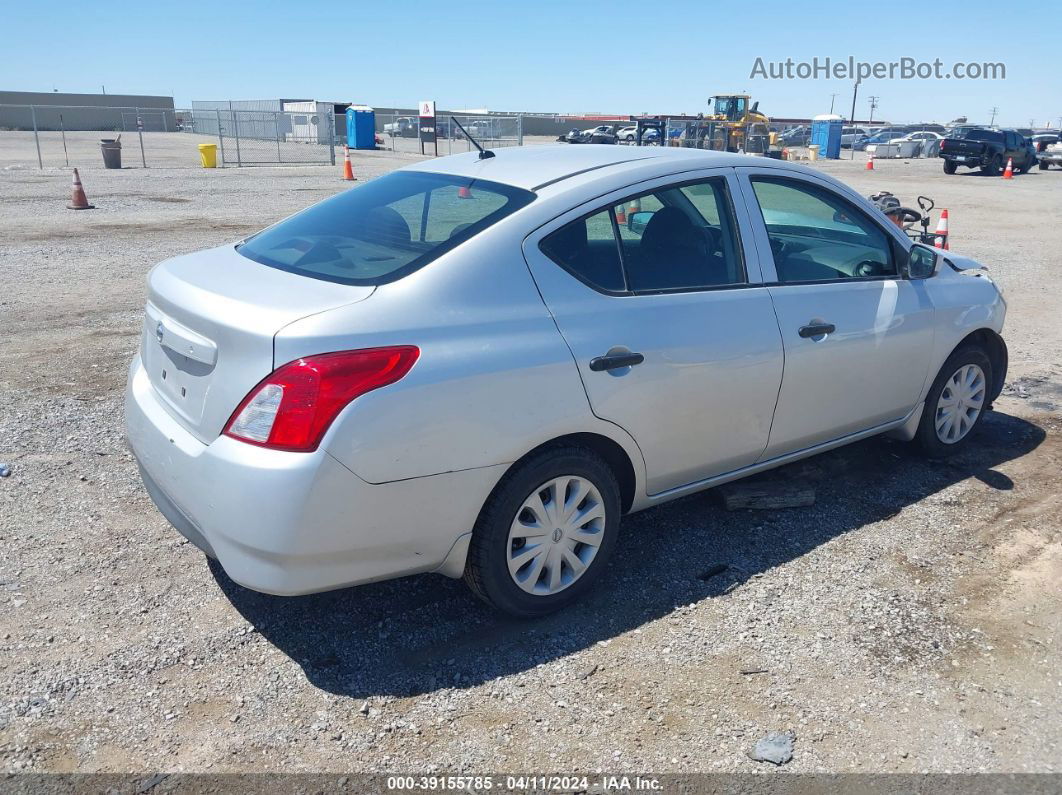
[[776, 747], [712, 571], [766, 496]]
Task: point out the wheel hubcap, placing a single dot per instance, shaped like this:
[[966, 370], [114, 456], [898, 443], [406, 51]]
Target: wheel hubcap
[[556, 535], [960, 403]]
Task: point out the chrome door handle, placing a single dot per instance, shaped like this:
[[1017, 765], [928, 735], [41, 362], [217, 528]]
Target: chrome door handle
[[615, 361], [817, 330]]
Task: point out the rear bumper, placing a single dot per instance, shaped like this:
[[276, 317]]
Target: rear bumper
[[294, 523]]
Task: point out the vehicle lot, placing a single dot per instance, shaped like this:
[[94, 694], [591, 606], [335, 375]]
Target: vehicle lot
[[908, 621]]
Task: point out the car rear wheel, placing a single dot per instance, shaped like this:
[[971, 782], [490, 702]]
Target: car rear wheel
[[956, 403], [1044, 166], [992, 167], [546, 532], [949, 166]]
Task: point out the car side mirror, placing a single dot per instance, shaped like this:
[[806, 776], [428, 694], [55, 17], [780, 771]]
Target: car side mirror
[[922, 262], [636, 222]]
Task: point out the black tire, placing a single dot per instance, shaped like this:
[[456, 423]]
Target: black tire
[[1025, 167], [992, 167], [926, 438], [1044, 165], [487, 569], [949, 166]]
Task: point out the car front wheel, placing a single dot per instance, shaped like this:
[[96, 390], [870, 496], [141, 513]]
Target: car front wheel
[[546, 532], [956, 403]]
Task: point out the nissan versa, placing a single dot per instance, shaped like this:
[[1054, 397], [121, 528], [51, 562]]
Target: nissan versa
[[475, 365]]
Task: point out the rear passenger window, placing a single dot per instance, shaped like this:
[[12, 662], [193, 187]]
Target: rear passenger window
[[671, 239], [587, 249]]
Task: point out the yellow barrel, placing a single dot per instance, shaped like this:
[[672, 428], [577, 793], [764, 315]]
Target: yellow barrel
[[813, 152], [208, 153]]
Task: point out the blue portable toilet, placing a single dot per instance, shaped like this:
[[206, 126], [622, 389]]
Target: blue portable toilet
[[361, 127], [826, 134]]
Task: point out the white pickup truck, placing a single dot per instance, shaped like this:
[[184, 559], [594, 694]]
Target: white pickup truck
[[1051, 156], [402, 127]]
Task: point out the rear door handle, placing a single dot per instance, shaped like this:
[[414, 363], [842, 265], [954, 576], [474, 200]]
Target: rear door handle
[[817, 330], [615, 361]]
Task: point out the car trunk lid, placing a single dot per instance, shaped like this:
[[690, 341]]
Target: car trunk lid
[[209, 326]]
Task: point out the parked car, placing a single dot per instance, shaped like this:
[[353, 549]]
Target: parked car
[[796, 136], [1050, 156], [849, 135], [630, 135], [402, 127], [465, 367], [601, 129], [928, 142], [596, 135], [880, 136], [988, 150]]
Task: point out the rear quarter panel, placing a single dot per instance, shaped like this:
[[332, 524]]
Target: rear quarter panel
[[494, 379]]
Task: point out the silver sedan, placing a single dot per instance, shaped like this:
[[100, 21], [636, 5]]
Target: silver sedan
[[476, 365]]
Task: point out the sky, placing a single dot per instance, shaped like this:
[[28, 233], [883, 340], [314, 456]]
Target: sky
[[574, 56]]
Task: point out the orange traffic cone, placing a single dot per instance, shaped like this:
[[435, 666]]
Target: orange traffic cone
[[464, 193], [348, 170], [940, 239], [870, 164], [635, 206], [1008, 172], [78, 200], [621, 214]]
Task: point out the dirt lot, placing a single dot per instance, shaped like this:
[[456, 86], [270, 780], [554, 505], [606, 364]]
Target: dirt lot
[[909, 621]]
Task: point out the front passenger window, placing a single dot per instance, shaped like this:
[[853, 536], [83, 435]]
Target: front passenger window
[[816, 235]]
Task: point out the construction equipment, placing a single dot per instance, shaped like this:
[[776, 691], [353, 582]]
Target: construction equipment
[[738, 125]]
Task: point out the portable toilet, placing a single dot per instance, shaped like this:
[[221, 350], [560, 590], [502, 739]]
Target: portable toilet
[[826, 134], [361, 127]]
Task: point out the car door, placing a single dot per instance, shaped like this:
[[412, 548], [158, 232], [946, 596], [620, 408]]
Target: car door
[[857, 337], [669, 323]]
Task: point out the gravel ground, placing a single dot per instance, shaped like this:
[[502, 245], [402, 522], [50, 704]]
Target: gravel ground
[[908, 621]]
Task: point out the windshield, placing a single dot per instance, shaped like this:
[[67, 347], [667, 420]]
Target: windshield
[[384, 229]]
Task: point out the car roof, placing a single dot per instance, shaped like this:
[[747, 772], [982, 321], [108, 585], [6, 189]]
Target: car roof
[[534, 167]]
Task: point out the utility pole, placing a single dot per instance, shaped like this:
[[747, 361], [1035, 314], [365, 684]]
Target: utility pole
[[851, 119], [873, 104], [994, 111], [832, 98]]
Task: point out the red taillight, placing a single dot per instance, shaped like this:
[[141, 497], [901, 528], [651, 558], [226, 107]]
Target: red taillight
[[293, 407]]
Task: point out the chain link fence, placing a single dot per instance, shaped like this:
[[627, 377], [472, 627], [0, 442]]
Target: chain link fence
[[266, 137], [50, 136], [401, 133]]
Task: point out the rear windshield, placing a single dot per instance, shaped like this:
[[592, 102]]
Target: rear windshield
[[385, 229], [981, 135]]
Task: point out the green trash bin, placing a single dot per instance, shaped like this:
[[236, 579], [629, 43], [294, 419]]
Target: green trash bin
[[112, 152]]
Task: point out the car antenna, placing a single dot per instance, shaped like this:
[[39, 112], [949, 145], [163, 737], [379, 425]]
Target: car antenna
[[483, 153]]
